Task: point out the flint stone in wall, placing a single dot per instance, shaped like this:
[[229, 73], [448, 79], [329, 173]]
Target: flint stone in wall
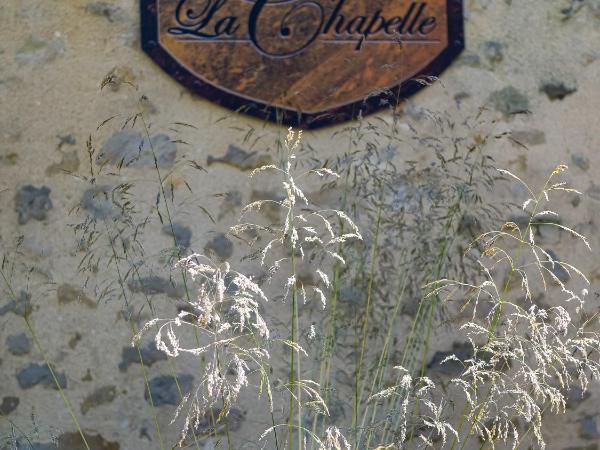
[[67, 294], [100, 396], [131, 149], [20, 306], [588, 428], [40, 50], [150, 355], [164, 389], [107, 10], [220, 246], [558, 89], [18, 344], [509, 101], [493, 51], [32, 203], [241, 159], [155, 285], [181, 233], [8, 405], [99, 202], [35, 374]]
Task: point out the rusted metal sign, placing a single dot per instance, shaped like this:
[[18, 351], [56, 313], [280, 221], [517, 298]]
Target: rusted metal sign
[[303, 62]]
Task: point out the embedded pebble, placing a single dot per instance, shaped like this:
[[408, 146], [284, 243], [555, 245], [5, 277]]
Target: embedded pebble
[[221, 246], [588, 428], [8, 405], [20, 306], [35, 374], [559, 271], [155, 285], [452, 367], [509, 101], [131, 149], [150, 355], [181, 233], [67, 294], [100, 396], [99, 202], [73, 441], [558, 89], [18, 344], [32, 203], [241, 159], [581, 161], [164, 389], [40, 50]]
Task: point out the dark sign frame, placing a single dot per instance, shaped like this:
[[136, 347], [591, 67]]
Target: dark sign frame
[[151, 46]]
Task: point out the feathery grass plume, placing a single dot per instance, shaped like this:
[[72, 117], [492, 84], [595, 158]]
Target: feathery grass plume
[[226, 314], [526, 355], [306, 234]]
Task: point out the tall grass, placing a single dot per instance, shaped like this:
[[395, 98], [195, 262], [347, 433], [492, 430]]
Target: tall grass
[[327, 323]]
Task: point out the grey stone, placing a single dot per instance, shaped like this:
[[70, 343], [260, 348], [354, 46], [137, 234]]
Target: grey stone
[[529, 137], [18, 344], [588, 428], [231, 203], [581, 161], [101, 396], [40, 50], [550, 234], [32, 203], [221, 246], [230, 423], [67, 294], [155, 285], [99, 202], [241, 159], [576, 396], [559, 271], [8, 405], [558, 89], [67, 139], [181, 233], [271, 210], [35, 374], [594, 192], [73, 441], [20, 306], [164, 389], [493, 51], [453, 368], [509, 101], [150, 355], [573, 8], [131, 149], [470, 59], [69, 163], [104, 9]]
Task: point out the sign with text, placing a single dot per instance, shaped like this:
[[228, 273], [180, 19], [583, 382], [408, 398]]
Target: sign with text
[[303, 62]]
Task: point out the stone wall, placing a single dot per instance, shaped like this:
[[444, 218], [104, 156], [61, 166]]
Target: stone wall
[[540, 56]]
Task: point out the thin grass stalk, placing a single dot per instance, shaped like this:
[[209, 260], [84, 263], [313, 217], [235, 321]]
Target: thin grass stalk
[[136, 344], [382, 364], [171, 225], [498, 313], [36, 341], [358, 386], [169, 359]]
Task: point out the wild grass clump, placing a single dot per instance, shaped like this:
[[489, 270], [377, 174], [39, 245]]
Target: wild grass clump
[[351, 268]]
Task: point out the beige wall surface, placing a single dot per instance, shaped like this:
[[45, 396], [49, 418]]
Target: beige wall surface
[[542, 56]]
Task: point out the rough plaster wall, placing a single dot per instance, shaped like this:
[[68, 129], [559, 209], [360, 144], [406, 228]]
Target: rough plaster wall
[[53, 55]]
